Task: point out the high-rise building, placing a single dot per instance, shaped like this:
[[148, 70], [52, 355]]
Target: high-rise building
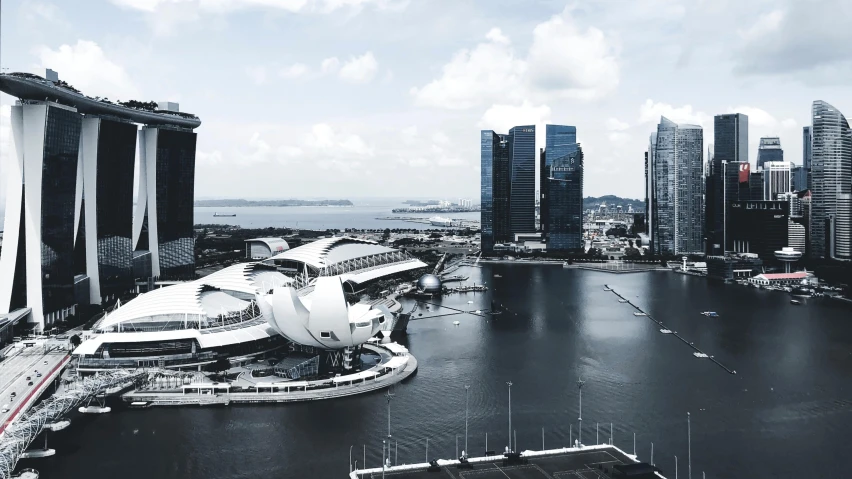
[[678, 164], [494, 186], [831, 177], [776, 179], [163, 223], [562, 189], [768, 150], [68, 223], [36, 266], [650, 185], [807, 155], [730, 145], [755, 183], [522, 181], [759, 227], [798, 178], [105, 212]]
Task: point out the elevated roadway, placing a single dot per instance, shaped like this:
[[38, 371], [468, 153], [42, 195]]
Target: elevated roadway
[[18, 375]]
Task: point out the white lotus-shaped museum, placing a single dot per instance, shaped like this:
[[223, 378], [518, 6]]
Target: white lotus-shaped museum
[[322, 319]]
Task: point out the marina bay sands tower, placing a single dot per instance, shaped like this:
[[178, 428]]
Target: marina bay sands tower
[[70, 234]]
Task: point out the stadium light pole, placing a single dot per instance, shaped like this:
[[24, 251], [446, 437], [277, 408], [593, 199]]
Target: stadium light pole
[[509, 383], [580, 383], [466, 403]]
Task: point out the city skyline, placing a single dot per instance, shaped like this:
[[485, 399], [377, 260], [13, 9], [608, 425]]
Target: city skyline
[[368, 113]]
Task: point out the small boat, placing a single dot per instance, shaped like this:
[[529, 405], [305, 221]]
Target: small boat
[[498, 276], [710, 314], [639, 314], [699, 355], [666, 331], [456, 323], [795, 301], [622, 300]]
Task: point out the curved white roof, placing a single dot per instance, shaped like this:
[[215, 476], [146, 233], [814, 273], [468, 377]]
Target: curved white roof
[[186, 298], [328, 251], [275, 245]]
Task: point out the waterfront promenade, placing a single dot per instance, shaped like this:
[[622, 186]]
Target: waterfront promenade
[[394, 366]]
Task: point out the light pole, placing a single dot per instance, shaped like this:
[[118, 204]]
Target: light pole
[[383, 458], [389, 397], [509, 383], [427, 450], [580, 383], [689, 443], [466, 403], [350, 459], [675, 467]]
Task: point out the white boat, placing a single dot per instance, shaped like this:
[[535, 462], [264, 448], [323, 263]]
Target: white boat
[[94, 409], [699, 355], [666, 331], [795, 301], [622, 300], [440, 221], [456, 323], [635, 313]]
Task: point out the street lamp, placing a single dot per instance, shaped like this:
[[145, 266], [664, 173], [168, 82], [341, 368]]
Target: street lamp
[[350, 459], [466, 402], [580, 383], [509, 383]]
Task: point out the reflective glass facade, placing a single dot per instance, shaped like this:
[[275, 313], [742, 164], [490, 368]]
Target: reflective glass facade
[[562, 189], [116, 155], [831, 177], [677, 221], [175, 180], [494, 184], [522, 156], [769, 150], [58, 190], [730, 144]]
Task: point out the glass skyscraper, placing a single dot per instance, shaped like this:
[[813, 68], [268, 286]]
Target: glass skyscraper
[[562, 189], [678, 163], [831, 176], [768, 150], [494, 185], [730, 145], [522, 183]]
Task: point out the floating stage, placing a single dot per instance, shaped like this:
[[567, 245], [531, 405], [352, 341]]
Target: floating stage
[[586, 462]]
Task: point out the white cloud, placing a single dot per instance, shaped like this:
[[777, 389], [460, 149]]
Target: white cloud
[[86, 67], [296, 70], [789, 123], [765, 24], [650, 112], [208, 159], [330, 65], [486, 74], [757, 118], [42, 11], [359, 69], [614, 124], [564, 61], [571, 62], [503, 117]]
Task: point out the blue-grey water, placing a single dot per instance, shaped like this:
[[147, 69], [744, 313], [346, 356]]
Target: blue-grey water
[[786, 413]]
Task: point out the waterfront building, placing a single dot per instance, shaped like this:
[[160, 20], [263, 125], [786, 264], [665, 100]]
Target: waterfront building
[[678, 189], [730, 145], [831, 177], [731, 267], [522, 180], [777, 179], [781, 279], [494, 187], [297, 297], [768, 150], [796, 237], [562, 189], [759, 227], [262, 248]]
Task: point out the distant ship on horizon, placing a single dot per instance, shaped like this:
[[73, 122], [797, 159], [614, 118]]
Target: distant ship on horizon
[[216, 215]]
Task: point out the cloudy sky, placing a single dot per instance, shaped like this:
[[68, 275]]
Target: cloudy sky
[[365, 98]]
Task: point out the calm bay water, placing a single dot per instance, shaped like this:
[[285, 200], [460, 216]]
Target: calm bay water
[[787, 413], [360, 215]]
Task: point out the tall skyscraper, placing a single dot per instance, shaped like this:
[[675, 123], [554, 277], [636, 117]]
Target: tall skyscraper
[[768, 150], [807, 155], [164, 210], [798, 178], [68, 225], [777, 179], [562, 205], [678, 188], [831, 173], [650, 188], [494, 184], [522, 183], [730, 145]]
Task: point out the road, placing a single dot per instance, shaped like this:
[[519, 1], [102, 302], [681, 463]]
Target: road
[[14, 371]]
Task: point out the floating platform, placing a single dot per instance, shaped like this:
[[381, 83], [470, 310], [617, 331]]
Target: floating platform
[[623, 300], [94, 409], [588, 462], [57, 426], [700, 355], [639, 314], [666, 331], [37, 453]]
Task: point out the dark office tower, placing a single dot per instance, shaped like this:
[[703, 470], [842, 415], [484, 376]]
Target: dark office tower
[[678, 165], [494, 184], [760, 227], [165, 203], [769, 150], [831, 177], [650, 189], [564, 229], [522, 181], [37, 262], [755, 187], [543, 174], [107, 154], [807, 151], [560, 142], [730, 145]]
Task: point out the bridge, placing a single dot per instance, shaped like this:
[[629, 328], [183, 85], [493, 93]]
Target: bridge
[[18, 435]]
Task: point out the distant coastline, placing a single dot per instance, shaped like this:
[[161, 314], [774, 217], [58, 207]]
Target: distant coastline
[[239, 203]]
